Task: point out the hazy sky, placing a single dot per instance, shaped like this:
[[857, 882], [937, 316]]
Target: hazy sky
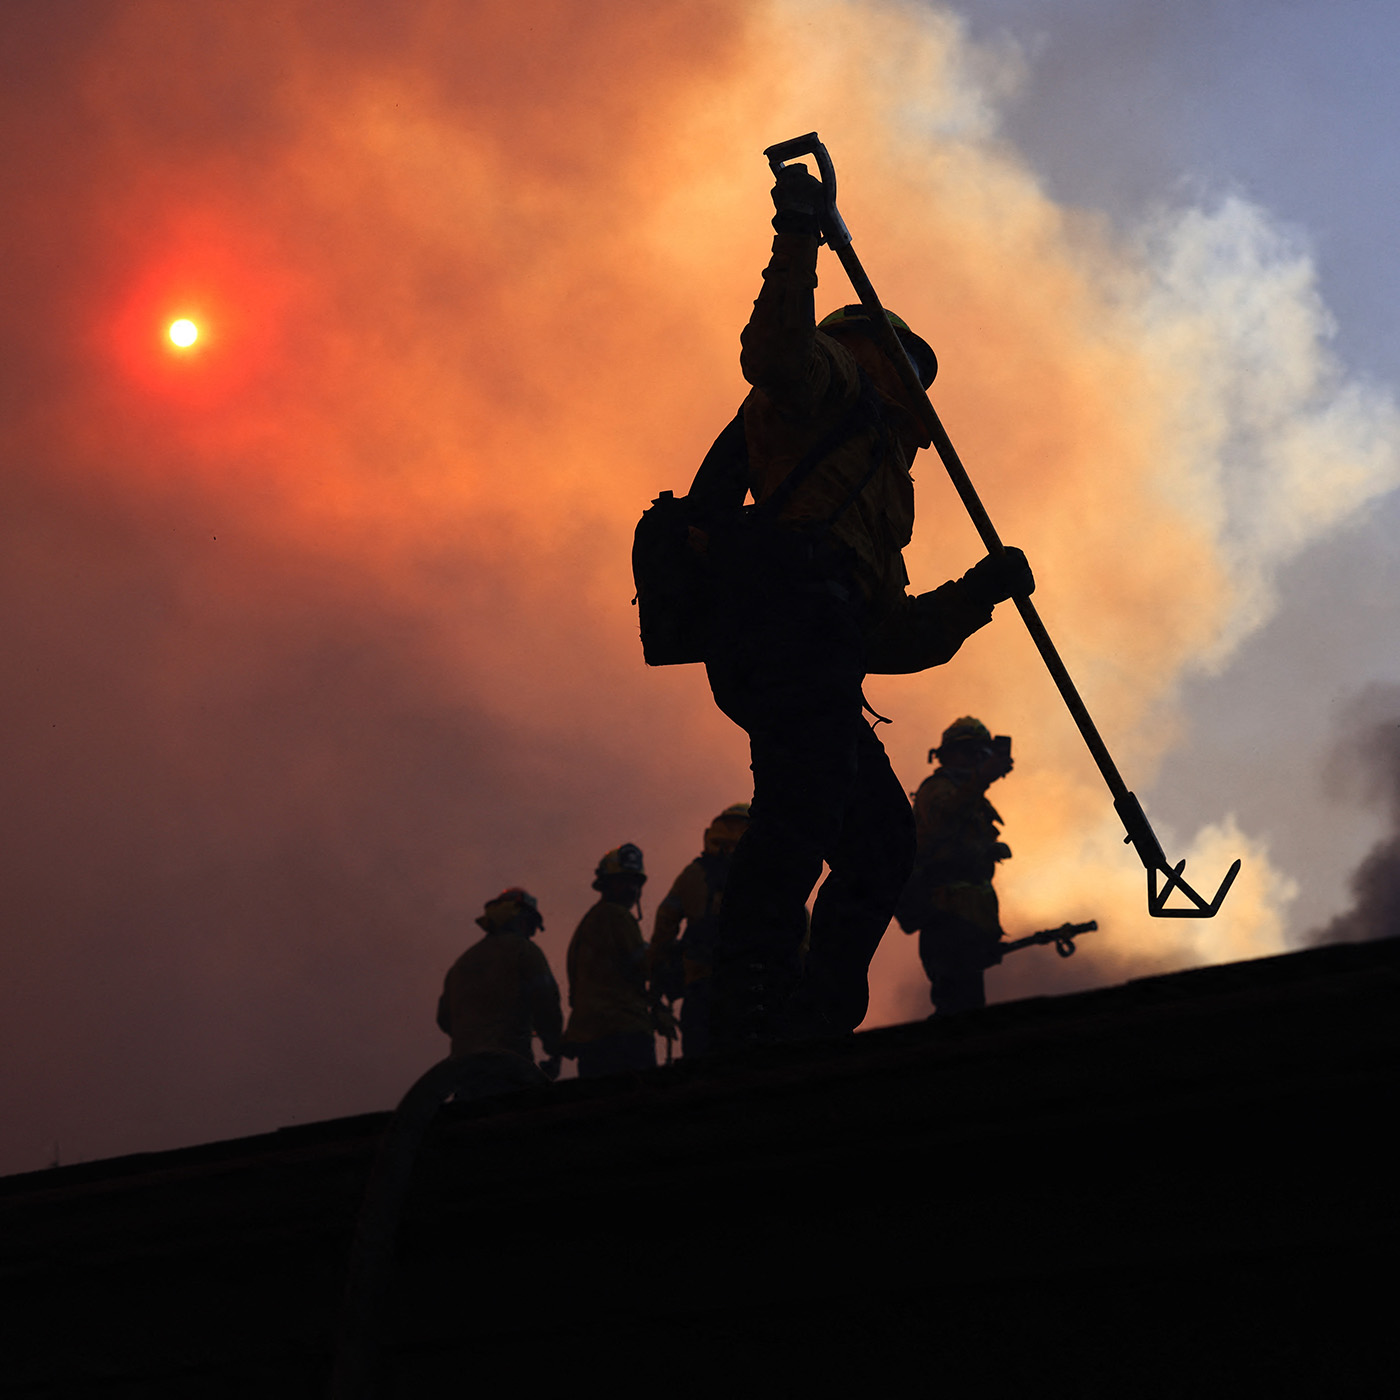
[[320, 634], [1127, 108]]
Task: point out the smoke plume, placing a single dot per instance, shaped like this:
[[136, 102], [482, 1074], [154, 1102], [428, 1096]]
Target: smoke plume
[[321, 635], [1364, 765]]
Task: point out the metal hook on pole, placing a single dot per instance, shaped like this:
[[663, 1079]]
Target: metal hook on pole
[[1140, 834]]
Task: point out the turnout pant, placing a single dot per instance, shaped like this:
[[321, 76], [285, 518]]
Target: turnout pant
[[788, 668], [959, 936], [954, 955]]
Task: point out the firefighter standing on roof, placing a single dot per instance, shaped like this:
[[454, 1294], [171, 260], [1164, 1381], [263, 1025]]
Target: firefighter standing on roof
[[682, 963], [610, 1021], [949, 899], [500, 992], [813, 598]]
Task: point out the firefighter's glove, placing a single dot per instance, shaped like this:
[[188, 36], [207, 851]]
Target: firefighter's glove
[[551, 1067], [800, 199], [998, 577]]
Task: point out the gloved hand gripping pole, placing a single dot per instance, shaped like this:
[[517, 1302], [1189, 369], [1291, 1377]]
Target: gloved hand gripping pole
[[1140, 834]]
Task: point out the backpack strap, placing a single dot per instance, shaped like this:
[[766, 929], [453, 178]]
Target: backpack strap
[[865, 408], [877, 455], [722, 481]]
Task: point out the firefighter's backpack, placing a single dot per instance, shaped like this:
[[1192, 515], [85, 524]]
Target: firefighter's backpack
[[674, 567], [673, 574]]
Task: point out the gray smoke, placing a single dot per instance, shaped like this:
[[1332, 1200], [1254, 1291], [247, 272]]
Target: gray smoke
[[1365, 765]]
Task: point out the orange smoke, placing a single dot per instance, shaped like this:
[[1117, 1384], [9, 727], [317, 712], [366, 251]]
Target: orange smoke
[[335, 617]]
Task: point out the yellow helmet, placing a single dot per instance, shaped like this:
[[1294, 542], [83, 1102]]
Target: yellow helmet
[[968, 727], [622, 860], [857, 318], [967, 741], [724, 832]]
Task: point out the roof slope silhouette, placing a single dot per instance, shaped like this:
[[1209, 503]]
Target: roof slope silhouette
[[1174, 1187]]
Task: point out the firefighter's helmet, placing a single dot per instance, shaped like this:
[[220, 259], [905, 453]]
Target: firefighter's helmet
[[967, 743], [963, 729], [507, 906], [724, 833], [623, 860], [857, 318]]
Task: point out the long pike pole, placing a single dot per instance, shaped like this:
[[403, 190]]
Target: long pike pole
[[1140, 834]]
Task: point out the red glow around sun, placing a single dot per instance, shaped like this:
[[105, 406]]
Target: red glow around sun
[[202, 318]]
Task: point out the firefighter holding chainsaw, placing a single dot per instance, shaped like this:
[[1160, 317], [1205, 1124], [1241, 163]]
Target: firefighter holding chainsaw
[[812, 599], [949, 900]]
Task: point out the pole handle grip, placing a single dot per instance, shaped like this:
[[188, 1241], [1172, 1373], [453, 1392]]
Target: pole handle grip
[[833, 225]]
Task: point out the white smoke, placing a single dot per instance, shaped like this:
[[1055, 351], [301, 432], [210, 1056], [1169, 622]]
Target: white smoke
[[1278, 446]]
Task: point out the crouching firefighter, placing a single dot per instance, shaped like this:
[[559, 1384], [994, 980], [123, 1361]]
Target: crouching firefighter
[[804, 596]]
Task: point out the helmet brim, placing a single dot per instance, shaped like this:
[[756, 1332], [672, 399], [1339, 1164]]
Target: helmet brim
[[856, 320]]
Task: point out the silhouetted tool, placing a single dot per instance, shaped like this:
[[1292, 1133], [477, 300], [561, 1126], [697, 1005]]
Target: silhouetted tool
[[1062, 937], [1140, 834]]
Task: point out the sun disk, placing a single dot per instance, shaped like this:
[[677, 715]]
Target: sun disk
[[184, 333]]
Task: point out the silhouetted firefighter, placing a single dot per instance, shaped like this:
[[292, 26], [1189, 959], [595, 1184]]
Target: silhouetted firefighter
[[610, 1028], [682, 963], [809, 598], [499, 994], [949, 900]]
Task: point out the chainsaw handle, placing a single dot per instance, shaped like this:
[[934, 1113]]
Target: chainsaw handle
[[833, 225]]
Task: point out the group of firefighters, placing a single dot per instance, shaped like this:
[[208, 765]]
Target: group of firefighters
[[799, 597], [500, 994]]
